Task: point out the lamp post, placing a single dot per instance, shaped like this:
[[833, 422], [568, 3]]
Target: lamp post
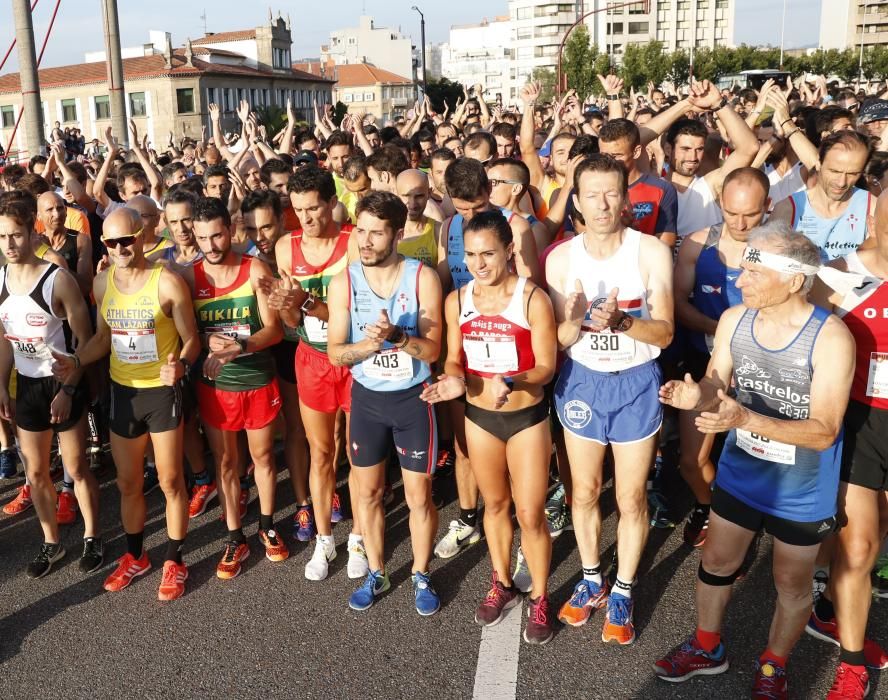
[[422, 38], [862, 33], [782, 31]]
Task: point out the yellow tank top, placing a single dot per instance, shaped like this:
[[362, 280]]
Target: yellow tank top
[[423, 247], [142, 335], [546, 194], [161, 244]]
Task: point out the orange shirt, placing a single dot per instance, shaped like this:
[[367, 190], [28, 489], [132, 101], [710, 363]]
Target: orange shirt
[[75, 220]]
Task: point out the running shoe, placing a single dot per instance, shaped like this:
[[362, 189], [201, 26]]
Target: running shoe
[[659, 511], [93, 555], [689, 660], [8, 467], [151, 481], [201, 496], [318, 566], [770, 681], [21, 502], [618, 625], [425, 597], [587, 596], [336, 510], [498, 600], [229, 565], [358, 566], [304, 524], [851, 683], [374, 586], [819, 584], [521, 578], [275, 549], [446, 462], [48, 555], [128, 567], [66, 508], [880, 587], [696, 526], [538, 629], [557, 512], [458, 535], [172, 583], [828, 631]]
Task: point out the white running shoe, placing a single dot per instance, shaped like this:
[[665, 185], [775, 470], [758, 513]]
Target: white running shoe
[[319, 564], [521, 577], [358, 566], [458, 536]]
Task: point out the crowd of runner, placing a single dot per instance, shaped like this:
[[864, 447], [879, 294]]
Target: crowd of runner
[[478, 295]]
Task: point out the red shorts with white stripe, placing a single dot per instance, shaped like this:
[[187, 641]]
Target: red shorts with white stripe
[[238, 410]]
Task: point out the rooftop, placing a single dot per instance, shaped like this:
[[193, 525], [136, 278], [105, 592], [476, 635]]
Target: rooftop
[[222, 37], [352, 74]]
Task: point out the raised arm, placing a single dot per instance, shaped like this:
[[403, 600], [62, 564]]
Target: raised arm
[[530, 93]]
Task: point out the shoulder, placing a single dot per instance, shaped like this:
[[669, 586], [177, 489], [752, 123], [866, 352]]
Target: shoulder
[[538, 299], [652, 248], [259, 268], [835, 333]]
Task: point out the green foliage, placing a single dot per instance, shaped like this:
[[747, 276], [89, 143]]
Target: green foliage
[[678, 66], [578, 62], [546, 77], [273, 117], [340, 109], [443, 91]]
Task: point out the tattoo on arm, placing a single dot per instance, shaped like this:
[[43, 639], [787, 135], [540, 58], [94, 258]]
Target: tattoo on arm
[[353, 357], [414, 349]]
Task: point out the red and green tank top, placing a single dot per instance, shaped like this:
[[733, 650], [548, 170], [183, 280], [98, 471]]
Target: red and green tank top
[[232, 310], [315, 279]]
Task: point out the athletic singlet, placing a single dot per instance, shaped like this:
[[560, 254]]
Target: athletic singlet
[[232, 311], [31, 326], [315, 280], [388, 369], [169, 255], [783, 186], [795, 483], [609, 350], [546, 193], [835, 237], [715, 286], [697, 208], [161, 244], [456, 252], [142, 335], [68, 251], [498, 344], [864, 310], [423, 247]]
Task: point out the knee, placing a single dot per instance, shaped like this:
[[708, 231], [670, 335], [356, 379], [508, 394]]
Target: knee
[[498, 507], [531, 519], [586, 498], [369, 495], [321, 456], [717, 564], [859, 552], [792, 588], [633, 506], [171, 484], [228, 468], [419, 498], [263, 460], [689, 465]]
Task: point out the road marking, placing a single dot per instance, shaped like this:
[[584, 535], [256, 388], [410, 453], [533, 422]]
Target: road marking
[[496, 677]]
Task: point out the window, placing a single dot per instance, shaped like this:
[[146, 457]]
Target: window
[[524, 33], [637, 9], [616, 27], [228, 98], [368, 97], [721, 3], [211, 96], [525, 51], [103, 107], [7, 116], [346, 97], [524, 13], [185, 100], [69, 111], [638, 27], [137, 104], [352, 40]]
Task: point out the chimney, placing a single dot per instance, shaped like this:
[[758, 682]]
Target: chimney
[[168, 53], [189, 53]]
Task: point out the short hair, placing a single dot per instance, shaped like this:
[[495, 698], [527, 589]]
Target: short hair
[[262, 199], [388, 159], [490, 221], [748, 95], [386, 134], [386, 206], [442, 154], [847, 139], [180, 195], [446, 124], [170, 169], [827, 116], [602, 163], [505, 130], [479, 137], [790, 244], [515, 166], [304, 136], [192, 185], [20, 206], [210, 209], [466, 179], [355, 166], [12, 174], [746, 176], [337, 138], [130, 171], [423, 135], [585, 145], [33, 184], [215, 171], [685, 127], [36, 160], [620, 129], [877, 165], [271, 166], [78, 169], [313, 178]]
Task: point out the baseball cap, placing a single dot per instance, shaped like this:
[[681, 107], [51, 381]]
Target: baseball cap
[[305, 158], [875, 111]]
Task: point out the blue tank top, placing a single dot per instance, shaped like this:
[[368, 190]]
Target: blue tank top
[[389, 369], [838, 237], [795, 483], [715, 285], [456, 251]]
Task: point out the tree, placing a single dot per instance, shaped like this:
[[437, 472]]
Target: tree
[[546, 78], [340, 109], [273, 117], [578, 62], [678, 67], [443, 91]]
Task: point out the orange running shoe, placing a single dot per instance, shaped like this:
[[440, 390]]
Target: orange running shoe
[[275, 549], [230, 564], [66, 510], [128, 567], [20, 503], [587, 597], [200, 499], [618, 625], [172, 583]]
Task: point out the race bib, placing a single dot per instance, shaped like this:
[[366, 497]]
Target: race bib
[[30, 348], [710, 342], [388, 365], [491, 354], [603, 348], [134, 347], [766, 449], [315, 329], [240, 331], [877, 380]]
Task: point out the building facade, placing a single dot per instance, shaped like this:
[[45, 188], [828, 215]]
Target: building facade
[[382, 47], [848, 23], [480, 53]]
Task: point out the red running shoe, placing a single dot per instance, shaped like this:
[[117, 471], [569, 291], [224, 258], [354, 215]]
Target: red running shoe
[[128, 567], [689, 660], [770, 682], [172, 584], [851, 683]]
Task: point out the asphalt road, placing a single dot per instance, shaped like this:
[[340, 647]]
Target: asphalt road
[[272, 634]]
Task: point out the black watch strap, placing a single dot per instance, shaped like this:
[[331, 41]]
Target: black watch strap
[[69, 389]]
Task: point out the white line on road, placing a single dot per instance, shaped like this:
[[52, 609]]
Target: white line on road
[[496, 677]]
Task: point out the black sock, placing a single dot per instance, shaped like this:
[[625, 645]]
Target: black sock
[[68, 485], [174, 551], [134, 543], [202, 478], [237, 536], [852, 658], [266, 522], [824, 608], [469, 516], [245, 484], [702, 507]]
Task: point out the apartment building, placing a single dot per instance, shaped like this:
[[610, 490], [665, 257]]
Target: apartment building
[[848, 23], [382, 47], [480, 53]]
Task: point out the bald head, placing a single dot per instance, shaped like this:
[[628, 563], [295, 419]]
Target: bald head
[[413, 189], [148, 212], [51, 212], [121, 223], [412, 179]]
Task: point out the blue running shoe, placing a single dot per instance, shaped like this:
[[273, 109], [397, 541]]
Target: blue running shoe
[[304, 524], [587, 597], [8, 468], [374, 586], [427, 601], [618, 625]]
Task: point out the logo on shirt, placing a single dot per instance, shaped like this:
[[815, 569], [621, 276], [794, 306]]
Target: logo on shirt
[[747, 366], [35, 319], [577, 414], [203, 293], [145, 301], [642, 209], [710, 289], [402, 300], [300, 270], [796, 376]]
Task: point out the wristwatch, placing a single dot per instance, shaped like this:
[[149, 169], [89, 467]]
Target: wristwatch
[[509, 382], [186, 364], [721, 105], [308, 303], [69, 389], [624, 324]]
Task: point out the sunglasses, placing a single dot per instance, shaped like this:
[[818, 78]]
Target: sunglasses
[[125, 241], [495, 182]]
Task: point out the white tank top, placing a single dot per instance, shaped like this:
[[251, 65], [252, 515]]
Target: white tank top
[[31, 326], [697, 208], [608, 350]]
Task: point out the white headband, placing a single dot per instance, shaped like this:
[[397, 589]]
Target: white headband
[[778, 263]]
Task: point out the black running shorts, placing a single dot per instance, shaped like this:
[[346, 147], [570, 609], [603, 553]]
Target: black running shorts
[[135, 412], [33, 398], [865, 452]]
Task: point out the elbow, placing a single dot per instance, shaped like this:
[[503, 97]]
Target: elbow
[[666, 339]]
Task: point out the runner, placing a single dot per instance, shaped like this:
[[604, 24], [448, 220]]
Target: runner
[[146, 318], [501, 354], [792, 364], [612, 292], [153, 245], [42, 310], [420, 237], [381, 329], [75, 248], [509, 185]]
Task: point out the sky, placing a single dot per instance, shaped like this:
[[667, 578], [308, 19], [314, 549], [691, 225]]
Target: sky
[[78, 26]]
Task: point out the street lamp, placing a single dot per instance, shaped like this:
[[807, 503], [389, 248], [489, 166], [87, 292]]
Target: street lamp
[[422, 38], [862, 32]]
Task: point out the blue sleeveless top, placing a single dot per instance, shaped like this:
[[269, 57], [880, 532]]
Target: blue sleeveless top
[[456, 251], [715, 285], [389, 369], [838, 237]]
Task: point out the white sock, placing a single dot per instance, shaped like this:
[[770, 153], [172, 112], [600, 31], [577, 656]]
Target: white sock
[[593, 574], [352, 538]]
